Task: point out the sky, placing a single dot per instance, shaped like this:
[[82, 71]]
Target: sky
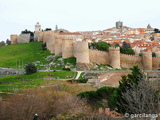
[[76, 15]]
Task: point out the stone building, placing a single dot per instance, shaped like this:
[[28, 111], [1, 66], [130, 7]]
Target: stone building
[[119, 24]]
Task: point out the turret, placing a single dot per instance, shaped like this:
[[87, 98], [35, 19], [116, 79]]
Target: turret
[[114, 57], [58, 45], [37, 27], [13, 39], [147, 60], [67, 47], [81, 52]]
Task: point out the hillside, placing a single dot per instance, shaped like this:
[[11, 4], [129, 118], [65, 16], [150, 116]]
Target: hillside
[[17, 55]]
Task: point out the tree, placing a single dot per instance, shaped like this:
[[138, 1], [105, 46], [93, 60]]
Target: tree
[[156, 30], [154, 54], [117, 45], [30, 68], [2, 43], [126, 45], [124, 85], [90, 96], [140, 54], [127, 51], [8, 42], [141, 98], [103, 46]]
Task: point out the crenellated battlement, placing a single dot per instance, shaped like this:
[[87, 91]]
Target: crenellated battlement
[[128, 55], [114, 48], [99, 51], [67, 47]]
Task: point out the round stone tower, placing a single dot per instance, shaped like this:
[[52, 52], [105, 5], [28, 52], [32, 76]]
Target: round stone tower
[[49, 39], [81, 52], [58, 45], [13, 39], [67, 47], [114, 57], [147, 60]]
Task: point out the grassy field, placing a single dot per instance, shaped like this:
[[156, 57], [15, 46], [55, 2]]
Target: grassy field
[[17, 55], [18, 82], [39, 75], [16, 86]]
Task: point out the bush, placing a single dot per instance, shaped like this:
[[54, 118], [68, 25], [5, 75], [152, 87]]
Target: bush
[[30, 68], [43, 45], [67, 69], [78, 81]]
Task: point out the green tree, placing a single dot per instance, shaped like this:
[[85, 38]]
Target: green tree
[[30, 68], [103, 46], [154, 54], [125, 84], [127, 51], [117, 45], [91, 97], [8, 42], [140, 54], [126, 45]]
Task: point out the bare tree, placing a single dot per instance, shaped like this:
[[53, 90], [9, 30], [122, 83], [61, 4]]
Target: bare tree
[[141, 98]]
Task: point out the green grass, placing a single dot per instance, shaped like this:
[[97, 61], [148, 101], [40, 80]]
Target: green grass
[[70, 60], [59, 65], [16, 86], [17, 82], [39, 75], [19, 54]]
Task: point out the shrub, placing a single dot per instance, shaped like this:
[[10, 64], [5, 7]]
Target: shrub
[[67, 69], [78, 81], [30, 68]]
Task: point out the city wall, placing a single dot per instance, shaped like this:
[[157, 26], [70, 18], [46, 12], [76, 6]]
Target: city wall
[[127, 61], [81, 52], [156, 63], [97, 56], [67, 47], [24, 38]]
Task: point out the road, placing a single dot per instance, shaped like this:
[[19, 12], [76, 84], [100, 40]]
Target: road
[[78, 74]]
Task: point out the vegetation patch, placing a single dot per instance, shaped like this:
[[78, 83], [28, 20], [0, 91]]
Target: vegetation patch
[[18, 55]]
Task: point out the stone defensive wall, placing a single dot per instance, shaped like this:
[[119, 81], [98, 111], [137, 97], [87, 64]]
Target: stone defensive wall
[[13, 39], [24, 38], [67, 47], [114, 57], [81, 52], [155, 63], [147, 60], [58, 45], [127, 61], [98, 56], [40, 36]]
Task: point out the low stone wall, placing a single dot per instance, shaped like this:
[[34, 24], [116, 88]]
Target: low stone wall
[[8, 72]]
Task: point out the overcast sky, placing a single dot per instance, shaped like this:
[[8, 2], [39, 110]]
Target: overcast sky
[[76, 15]]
